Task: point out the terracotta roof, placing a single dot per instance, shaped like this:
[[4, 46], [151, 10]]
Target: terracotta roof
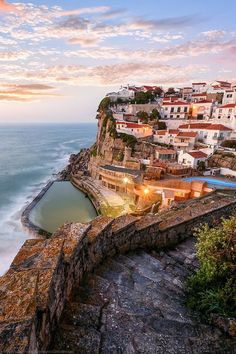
[[205, 126], [199, 83], [161, 132], [197, 154], [133, 125], [194, 126], [229, 105], [176, 103], [223, 82], [202, 101], [218, 127], [187, 134], [199, 94], [173, 131]]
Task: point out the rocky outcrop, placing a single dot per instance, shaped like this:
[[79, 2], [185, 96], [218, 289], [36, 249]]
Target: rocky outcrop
[[77, 163], [34, 291], [220, 159]]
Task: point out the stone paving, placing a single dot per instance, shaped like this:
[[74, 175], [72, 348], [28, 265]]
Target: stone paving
[[135, 303]]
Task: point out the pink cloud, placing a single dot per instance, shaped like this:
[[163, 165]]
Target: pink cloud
[[5, 6]]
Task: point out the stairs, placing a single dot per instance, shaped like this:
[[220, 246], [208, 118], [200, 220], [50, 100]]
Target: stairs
[[135, 304]]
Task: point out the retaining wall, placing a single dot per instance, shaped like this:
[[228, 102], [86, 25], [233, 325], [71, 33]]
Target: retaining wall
[[40, 280]]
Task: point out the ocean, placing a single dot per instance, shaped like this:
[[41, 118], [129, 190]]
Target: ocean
[[29, 156]]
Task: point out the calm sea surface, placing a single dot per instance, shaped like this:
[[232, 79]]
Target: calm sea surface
[[29, 156]]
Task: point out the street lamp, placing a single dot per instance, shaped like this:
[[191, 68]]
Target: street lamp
[[146, 191], [125, 180]]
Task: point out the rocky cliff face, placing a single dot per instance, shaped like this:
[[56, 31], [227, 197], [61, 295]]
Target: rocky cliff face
[[226, 160]]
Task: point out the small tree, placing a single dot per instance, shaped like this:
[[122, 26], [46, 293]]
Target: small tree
[[212, 289], [155, 114], [143, 116]]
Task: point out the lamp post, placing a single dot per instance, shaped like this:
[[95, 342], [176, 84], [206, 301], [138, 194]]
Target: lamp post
[[125, 180]]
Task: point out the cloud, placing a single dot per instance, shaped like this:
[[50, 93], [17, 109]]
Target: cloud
[[167, 23], [114, 13], [5, 6], [84, 10], [214, 34], [25, 92]]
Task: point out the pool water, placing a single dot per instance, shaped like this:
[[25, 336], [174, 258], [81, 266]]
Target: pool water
[[212, 182], [62, 203]]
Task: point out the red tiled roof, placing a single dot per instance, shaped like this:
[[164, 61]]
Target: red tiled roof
[[198, 94], [187, 134], [199, 83], [197, 154], [133, 125], [229, 105], [206, 126], [218, 127], [223, 82], [161, 132], [202, 101], [176, 103], [194, 126], [173, 131]]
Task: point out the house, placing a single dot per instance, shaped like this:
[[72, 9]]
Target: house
[[135, 129], [186, 93], [196, 97], [199, 87], [209, 134], [226, 115], [229, 97], [165, 154], [201, 109], [223, 85], [185, 140], [175, 110], [165, 136], [192, 158]]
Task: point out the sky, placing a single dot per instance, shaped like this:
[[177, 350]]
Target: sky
[[59, 58]]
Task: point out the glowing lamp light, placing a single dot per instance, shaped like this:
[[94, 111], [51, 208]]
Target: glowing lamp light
[[146, 191], [125, 180]]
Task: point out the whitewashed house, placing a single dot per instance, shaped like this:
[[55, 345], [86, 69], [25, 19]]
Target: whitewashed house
[[135, 129], [209, 134], [199, 87], [229, 97], [175, 110], [196, 97], [192, 158]]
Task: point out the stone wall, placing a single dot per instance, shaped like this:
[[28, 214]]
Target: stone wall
[[34, 290]]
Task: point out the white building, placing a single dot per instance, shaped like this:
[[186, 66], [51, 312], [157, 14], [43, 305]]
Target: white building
[[135, 129], [201, 109], [186, 93], [199, 87], [165, 136], [124, 93], [209, 134], [226, 115], [175, 110], [196, 97], [229, 97], [218, 84], [192, 158]]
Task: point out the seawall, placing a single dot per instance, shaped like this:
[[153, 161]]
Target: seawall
[[40, 280]]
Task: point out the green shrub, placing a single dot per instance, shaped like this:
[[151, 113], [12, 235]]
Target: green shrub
[[212, 289], [104, 104], [129, 140]]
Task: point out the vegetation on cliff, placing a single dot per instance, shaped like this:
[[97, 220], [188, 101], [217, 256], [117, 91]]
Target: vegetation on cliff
[[212, 289]]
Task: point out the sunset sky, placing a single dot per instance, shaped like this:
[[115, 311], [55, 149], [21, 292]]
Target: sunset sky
[[59, 58]]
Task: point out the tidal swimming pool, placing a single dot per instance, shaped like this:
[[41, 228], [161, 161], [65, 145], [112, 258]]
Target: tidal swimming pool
[[62, 203], [213, 182]]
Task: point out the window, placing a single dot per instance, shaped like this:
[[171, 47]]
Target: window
[[219, 117], [177, 116], [172, 109], [185, 109], [178, 109], [220, 110], [171, 116], [230, 110]]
